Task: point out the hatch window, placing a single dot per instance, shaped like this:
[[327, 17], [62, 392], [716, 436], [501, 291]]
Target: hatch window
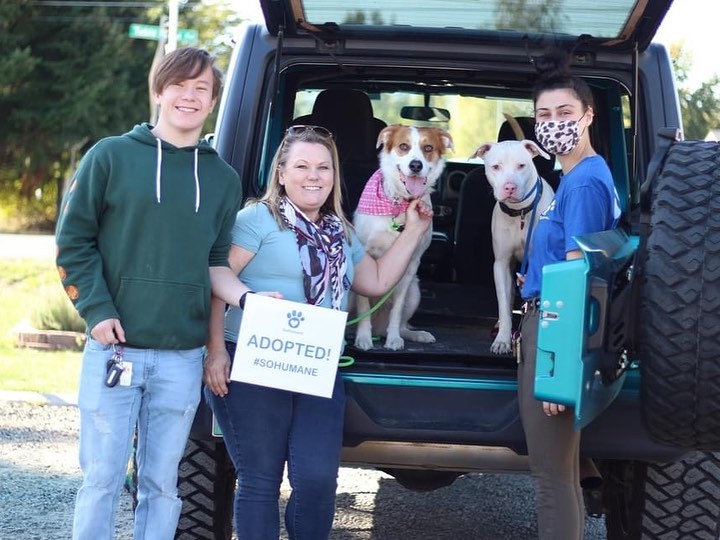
[[607, 19]]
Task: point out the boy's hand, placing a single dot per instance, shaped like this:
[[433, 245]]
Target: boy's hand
[[108, 332]]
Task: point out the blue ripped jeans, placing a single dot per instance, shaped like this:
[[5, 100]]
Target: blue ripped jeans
[[162, 398], [263, 429]]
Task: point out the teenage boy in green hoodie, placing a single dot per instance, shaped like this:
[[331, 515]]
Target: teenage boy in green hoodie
[[146, 217]]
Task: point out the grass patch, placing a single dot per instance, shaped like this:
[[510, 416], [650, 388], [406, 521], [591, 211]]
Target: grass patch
[[24, 285], [30, 370]]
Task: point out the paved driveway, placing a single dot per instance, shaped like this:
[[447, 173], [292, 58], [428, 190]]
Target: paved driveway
[[27, 246]]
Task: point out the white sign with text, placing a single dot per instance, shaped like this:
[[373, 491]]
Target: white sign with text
[[289, 345]]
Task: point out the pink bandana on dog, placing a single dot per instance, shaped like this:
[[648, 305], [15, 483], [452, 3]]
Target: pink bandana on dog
[[375, 202]]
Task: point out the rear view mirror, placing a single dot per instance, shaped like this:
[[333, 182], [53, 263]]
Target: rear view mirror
[[425, 114]]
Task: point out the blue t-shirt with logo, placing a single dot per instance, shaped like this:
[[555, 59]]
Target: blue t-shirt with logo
[[585, 202], [276, 265]]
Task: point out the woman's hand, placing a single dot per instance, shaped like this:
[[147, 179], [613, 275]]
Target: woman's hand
[[216, 370], [552, 409], [418, 216], [271, 294]]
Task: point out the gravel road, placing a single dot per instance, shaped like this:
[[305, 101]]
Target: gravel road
[[39, 473], [39, 476]]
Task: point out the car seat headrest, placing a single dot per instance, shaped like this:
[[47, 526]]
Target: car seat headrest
[[348, 114], [523, 127]]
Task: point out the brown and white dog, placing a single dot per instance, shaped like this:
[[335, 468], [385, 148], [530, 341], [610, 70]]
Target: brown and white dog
[[520, 195], [411, 161]]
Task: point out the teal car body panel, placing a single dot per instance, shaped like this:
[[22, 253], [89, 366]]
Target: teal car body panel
[[574, 321]]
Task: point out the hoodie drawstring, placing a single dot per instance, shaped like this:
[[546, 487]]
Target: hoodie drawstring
[[159, 169], [197, 184]]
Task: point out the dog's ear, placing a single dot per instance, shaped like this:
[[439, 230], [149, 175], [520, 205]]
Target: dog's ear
[[483, 149], [534, 149], [385, 134], [447, 140]]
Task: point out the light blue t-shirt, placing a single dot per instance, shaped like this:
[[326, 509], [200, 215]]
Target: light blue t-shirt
[[585, 202], [276, 265]]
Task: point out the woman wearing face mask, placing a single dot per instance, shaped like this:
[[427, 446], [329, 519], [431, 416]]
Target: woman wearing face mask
[[585, 202]]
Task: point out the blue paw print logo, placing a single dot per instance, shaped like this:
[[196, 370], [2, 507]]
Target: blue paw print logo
[[295, 318]]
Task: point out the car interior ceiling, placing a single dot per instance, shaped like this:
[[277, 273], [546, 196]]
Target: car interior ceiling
[[456, 271]]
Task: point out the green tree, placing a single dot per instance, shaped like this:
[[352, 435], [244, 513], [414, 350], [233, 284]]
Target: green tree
[[70, 75], [700, 107]]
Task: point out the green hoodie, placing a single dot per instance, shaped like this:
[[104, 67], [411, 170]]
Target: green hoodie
[[140, 225]]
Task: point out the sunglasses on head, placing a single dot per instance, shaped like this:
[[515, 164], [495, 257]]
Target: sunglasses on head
[[297, 130]]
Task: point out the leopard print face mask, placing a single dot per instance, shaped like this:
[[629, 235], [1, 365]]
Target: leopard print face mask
[[559, 138]]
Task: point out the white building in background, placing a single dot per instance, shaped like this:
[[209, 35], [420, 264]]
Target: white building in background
[[713, 135]]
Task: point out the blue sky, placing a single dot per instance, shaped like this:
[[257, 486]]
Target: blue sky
[[692, 21]]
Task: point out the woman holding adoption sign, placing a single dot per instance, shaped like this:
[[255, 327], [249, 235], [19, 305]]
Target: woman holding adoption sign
[[295, 241]]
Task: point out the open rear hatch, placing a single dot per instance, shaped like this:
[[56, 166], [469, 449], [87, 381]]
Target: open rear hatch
[[611, 24], [461, 356]]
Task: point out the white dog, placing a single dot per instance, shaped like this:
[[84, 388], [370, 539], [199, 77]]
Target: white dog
[[411, 161], [521, 195]]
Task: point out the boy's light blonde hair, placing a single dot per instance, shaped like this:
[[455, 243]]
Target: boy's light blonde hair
[[183, 64]]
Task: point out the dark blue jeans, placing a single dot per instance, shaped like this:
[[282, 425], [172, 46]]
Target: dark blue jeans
[[263, 429]]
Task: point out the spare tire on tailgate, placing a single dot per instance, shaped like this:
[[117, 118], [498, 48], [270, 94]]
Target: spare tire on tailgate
[[680, 311]]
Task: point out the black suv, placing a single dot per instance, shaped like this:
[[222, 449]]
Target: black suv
[[633, 343]]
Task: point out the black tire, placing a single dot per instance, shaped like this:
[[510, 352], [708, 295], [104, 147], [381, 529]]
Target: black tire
[[206, 485], [680, 308], [422, 480], [671, 501]]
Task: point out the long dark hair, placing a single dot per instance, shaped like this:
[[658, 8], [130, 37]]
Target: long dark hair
[[553, 69]]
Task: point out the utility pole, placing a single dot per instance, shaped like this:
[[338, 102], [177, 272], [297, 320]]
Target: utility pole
[[173, 8], [167, 43], [157, 58]]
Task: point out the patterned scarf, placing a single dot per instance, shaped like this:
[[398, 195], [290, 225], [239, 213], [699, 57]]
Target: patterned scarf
[[321, 253]]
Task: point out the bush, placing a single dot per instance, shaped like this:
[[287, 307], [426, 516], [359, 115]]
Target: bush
[[56, 312], [22, 214]]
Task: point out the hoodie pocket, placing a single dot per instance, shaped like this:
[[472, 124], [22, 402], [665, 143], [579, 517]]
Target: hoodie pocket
[[163, 314]]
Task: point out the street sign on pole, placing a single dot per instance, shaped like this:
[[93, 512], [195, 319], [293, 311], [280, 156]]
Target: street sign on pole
[[147, 31], [186, 35], [172, 41], [144, 31]]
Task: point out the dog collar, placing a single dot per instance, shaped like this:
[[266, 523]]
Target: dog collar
[[375, 202], [522, 212]]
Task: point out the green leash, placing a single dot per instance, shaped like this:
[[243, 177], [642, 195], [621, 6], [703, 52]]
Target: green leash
[[372, 310], [345, 361]]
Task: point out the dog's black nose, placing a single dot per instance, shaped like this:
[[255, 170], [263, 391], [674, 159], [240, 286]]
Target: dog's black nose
[[416, 166]]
